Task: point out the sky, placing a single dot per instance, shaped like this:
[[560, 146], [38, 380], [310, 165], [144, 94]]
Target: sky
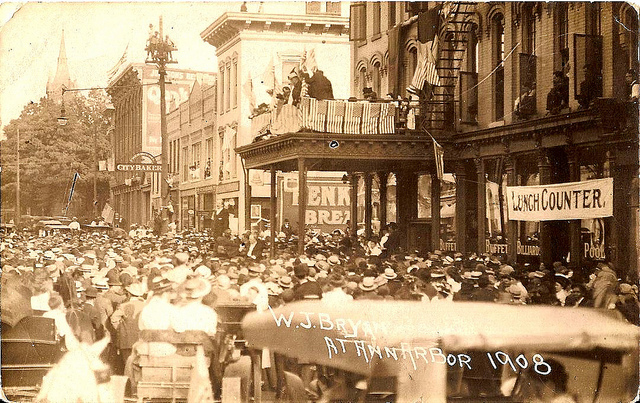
[[96, 35]]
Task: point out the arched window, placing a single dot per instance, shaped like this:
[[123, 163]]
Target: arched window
[[497, 22], [628, 37], [362, 80], [375, 79]]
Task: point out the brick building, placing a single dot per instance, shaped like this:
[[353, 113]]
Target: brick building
[[491, 111], [135, 96]]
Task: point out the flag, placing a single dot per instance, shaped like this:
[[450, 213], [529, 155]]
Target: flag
[[392, 65], [76, 176], [247, 88], [353, 117], [335, 116], [387, 118], [370, 117], [438, 151], [428, 47], [269, 79], [310, 63], [123, 59]]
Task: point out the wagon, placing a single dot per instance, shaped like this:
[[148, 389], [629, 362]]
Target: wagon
[[163, 367], [29, 351]]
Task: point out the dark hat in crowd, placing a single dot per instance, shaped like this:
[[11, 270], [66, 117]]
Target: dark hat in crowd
[[336, 280], [301, 270], [91, 292]]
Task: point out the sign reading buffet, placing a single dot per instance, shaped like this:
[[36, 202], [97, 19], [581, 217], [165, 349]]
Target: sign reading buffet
[[563, 201]]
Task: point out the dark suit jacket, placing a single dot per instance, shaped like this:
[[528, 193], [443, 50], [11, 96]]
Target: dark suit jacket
[[308, 288]]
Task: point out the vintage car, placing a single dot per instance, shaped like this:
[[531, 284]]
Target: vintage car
[[450, 352]]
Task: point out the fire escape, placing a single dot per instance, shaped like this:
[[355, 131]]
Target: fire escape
[[438, 106]]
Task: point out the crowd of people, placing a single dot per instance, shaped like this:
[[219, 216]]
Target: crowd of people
[[92, 284]]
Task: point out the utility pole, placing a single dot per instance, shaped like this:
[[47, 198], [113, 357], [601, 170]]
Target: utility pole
[[17, 214], [95, 171], [159, 52]]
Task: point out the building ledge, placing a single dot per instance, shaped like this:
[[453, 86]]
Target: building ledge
[[228, 25]]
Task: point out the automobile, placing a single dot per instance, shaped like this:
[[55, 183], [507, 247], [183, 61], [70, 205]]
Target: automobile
[[405, 351]]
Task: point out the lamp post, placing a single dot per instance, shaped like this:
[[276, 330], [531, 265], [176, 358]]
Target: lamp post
[[159, 52]]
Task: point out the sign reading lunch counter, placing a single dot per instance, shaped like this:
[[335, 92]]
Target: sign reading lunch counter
[[128, 166], [562, 201]]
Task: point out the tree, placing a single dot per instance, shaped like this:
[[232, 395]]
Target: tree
[[51, 154]]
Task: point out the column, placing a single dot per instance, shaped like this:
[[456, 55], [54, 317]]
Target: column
[[272, 216], [481, 205], [354, 203], [383, 176], [512, 225], [367, 204], [302, 206], [247, 202], [544, 172], [461, 207], [611, 230], [435, 212], [575, 248]]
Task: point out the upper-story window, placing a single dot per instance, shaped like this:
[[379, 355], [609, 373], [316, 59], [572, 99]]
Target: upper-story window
[[392, 13], [469, 79], [320, 7], [593, 23], [562, 41], [528, 29], [362, 80], [375, 77], [227, 101], [628, 38], [358, 22], [234, 90], [498, 57], [222, 89], [375, 15]]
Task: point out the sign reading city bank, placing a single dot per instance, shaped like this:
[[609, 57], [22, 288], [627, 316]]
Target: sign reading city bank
[[128, 166], [563, 201]]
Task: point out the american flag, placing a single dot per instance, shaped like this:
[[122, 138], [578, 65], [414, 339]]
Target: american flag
[[114, 70], [387, 118], [426, 69], [438, 151], [353, 117], [335, 116], [370, 118], [314, 114]]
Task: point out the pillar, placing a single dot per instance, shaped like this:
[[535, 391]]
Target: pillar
[[544, 172], [383, 176], [302, 206], [482, 205], [461, 207], [512, 225], [575, 248], [610, 227], [435, 212], [367, 204], [354, 203], [272, 215], [247, 201]]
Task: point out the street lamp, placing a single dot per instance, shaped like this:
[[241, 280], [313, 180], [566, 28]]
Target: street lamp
[[159, 52]]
